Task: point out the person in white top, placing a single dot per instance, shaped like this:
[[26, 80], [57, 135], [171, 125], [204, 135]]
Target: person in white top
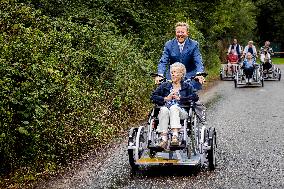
[[250, 48]]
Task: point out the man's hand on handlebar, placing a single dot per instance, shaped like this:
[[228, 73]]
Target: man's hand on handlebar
[[200, 79], [158, 79]]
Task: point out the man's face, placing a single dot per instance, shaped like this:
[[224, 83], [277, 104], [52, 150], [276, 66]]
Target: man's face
[[181, 33], [235, 41]]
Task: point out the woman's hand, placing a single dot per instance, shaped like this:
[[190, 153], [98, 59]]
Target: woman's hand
[[169, 97], [200, 79], [176, 96]]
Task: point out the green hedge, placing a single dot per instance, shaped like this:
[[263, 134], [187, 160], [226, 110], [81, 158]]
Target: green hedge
[[64, 87]]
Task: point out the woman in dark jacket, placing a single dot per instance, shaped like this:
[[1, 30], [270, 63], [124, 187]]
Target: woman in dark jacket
[[171, 95]]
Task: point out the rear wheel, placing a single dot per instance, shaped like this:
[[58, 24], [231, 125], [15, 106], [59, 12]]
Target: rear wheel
[[262, 82], [235, 83]]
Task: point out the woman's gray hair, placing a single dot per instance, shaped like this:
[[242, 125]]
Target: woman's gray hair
[[180, 66]]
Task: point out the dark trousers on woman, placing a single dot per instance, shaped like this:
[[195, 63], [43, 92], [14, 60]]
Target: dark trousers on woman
[[249, 72], [266, 66]]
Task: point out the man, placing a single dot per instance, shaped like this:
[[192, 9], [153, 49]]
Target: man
[[236, 47], [184, 50]]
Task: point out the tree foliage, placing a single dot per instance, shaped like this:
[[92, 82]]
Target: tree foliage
[[270, 21]]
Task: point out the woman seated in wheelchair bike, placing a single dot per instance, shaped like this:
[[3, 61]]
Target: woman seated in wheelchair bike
[[172, 95], [249, 65], [265, 56], [232, 61]]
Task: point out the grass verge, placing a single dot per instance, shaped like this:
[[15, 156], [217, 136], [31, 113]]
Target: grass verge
[[278, 60]]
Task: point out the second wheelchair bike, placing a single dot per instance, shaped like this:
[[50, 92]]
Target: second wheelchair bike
[[272, 73], [257, 78]]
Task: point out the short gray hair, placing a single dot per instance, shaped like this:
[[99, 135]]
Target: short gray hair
[[180, 66]]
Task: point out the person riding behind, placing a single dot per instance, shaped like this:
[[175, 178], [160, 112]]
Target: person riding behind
[[236, 47], [248, 66], [265, 56], [185, 50], [250, 48], [171, 95]]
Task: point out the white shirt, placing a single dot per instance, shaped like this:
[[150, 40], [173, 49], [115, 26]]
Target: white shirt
[[181, 45]]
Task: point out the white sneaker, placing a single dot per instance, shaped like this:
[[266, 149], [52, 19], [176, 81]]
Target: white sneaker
[[247, 80], [250, 80]]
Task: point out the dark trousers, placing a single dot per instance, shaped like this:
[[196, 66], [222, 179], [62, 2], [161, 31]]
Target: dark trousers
[[266, 66], [249, 72]]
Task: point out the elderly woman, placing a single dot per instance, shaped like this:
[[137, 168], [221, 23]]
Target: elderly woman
[[232, 60], [170, 95], [248, 66], [265, 56]]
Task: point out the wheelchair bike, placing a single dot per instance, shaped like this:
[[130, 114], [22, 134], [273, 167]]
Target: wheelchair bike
[[197, 146], [230, 68], [228, 72], [257, 78], [272, 73], [269, 70]]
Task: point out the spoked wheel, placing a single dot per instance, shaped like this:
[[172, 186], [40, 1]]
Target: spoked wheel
[[212, 150], [262, 82], [137, 137]]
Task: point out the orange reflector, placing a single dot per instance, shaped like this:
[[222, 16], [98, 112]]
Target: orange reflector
[[156, 160]]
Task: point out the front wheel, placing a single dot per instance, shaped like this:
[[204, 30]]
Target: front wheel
[[132, 161], [212, 150], [235, 83], [136, 145]]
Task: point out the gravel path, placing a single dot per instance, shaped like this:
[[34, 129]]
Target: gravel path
[[250, 153]]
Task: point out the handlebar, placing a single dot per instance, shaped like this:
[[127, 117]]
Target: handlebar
[[204, 74], [157, 75], [199, 74]]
